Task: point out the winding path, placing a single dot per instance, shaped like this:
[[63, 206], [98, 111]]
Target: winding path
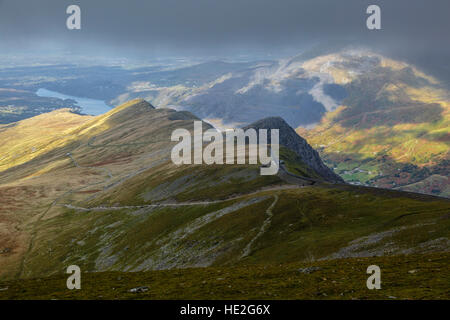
[[263, 229], [180, 204]]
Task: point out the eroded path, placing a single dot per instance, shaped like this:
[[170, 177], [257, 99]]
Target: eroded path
[[180, 204], [51, 205], [263, 229]]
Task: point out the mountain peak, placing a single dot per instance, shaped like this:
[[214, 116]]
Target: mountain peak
[[270, 123], [128, 110], [139, 104], [291, 140]]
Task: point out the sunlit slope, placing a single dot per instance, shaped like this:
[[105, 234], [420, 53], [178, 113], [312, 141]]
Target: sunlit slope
[[38, 136], [37, 170], [27, 139], [79, 159], [392, 130]]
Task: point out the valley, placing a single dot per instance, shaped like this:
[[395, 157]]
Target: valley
[[87, 106]]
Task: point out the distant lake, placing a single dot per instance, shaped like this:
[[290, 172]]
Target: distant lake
[[88, 106]]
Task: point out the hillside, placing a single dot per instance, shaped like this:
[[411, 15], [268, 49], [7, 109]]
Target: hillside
[[392, 128], [62, 158], [332, 279], [103, 193]]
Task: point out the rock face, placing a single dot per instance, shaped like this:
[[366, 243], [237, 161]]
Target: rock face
[[291, 140]]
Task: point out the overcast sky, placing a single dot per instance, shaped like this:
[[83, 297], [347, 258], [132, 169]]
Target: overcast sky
[[418, 29]]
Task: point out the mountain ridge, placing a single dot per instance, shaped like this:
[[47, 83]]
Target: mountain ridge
[[108, 198]]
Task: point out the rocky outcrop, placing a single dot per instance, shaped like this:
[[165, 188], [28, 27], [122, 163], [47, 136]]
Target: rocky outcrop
[[291, 140]]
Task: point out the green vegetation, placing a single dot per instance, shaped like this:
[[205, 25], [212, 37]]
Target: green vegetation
[[308, 224], [295, 165], [403, 277]]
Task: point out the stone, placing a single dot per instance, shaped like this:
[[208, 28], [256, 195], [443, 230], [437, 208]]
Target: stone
[[308, 270], [139, 289]]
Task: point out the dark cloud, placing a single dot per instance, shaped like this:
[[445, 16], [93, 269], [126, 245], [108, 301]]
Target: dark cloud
[[410, 28]]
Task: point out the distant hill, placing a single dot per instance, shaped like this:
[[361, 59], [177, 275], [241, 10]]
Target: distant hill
[[16, 105], [239, 97], [391, 130]]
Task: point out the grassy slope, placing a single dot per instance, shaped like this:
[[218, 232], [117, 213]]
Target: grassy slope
[[308, 223], [119, 159], [27, 139], [402, 277]]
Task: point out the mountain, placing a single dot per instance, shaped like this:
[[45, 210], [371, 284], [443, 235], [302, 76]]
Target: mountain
[[376, 121], [102, 193], [391, 129], [291, 140], [239, 97]]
